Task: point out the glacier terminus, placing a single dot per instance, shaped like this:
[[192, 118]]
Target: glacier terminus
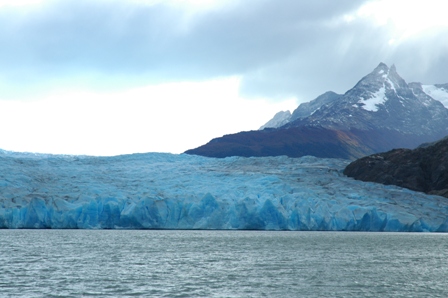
[[168, 191]]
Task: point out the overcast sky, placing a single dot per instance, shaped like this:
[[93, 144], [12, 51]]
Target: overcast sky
[[107, 77]]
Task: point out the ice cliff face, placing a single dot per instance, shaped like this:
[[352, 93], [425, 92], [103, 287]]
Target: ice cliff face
[[190, 192]]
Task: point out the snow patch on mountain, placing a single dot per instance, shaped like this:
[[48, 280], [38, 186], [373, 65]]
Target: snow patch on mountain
[[372, 103], [438, 92], [391, 84]]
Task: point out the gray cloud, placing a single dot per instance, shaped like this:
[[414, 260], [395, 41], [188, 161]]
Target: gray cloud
[[279, 47], [336, 57]]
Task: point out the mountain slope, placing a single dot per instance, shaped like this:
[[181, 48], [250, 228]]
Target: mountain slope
[[280, 119], [307, 109], [292, 142], [380, 112], [307, 140]]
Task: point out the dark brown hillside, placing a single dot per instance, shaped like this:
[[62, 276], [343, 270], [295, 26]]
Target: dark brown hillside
[[292, 142], [305, 140]]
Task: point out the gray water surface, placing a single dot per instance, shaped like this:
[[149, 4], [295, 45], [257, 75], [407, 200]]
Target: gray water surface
[[157, 263]]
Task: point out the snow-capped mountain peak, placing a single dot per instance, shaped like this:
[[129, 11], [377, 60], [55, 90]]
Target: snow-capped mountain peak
[[374, 90], [381, 100]]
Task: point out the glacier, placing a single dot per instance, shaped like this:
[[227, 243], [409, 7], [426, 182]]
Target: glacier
[[179, 191]]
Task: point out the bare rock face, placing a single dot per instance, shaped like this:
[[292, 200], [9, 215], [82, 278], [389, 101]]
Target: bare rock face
[[423, 169]]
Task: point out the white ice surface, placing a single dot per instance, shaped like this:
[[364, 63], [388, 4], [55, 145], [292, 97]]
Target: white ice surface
[[167, 191]]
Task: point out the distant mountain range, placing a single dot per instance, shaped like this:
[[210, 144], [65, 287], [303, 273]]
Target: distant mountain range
[[379, 113]]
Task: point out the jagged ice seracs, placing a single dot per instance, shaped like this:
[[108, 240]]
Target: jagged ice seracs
[[166, 191]]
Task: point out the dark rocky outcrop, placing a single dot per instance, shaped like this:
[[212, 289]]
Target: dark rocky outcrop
[[423, 169]]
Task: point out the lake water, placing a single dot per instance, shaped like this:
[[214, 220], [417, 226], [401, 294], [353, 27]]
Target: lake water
[[105, 263]]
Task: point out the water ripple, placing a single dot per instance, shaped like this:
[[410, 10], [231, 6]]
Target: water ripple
[[75, 263]]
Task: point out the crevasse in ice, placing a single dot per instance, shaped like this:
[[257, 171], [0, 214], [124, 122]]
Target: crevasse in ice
[[165, 191]]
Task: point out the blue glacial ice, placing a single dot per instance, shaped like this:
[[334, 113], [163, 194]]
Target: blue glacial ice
[[165, 191]]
